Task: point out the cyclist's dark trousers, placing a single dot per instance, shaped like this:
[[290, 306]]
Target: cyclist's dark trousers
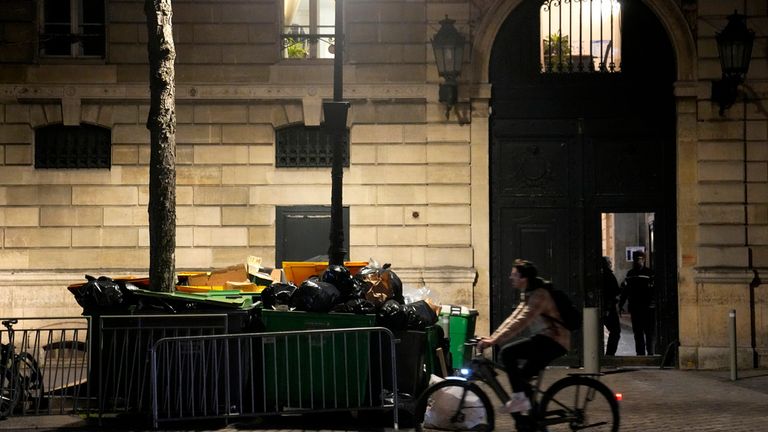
[[643, 324], [524, 359], [612, 324]]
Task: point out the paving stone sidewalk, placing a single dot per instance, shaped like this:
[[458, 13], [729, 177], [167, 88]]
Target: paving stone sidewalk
[[653, 400]]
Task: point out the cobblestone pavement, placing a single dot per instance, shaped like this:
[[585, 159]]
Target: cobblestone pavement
[[653, 400]]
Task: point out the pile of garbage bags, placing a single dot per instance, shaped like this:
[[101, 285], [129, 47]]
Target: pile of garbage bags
[[373, 290]]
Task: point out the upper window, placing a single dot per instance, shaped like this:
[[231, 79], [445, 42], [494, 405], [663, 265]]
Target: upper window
[[308, 28], [84, 146], [580, 36], [72, 28]]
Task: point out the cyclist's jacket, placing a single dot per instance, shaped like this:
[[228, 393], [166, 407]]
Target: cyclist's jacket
[[535, 303]]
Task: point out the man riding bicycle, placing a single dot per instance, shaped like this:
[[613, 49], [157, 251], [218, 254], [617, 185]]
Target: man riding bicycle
[[524, 358]]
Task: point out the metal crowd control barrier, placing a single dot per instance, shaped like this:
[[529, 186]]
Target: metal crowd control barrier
[[120, 375], [254, 374], [52, 366]]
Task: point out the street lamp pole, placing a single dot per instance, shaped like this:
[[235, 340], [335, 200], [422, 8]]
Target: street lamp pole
[[335, 114]]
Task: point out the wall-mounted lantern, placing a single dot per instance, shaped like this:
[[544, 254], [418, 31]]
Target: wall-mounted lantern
[[734, 46], [448, 45]]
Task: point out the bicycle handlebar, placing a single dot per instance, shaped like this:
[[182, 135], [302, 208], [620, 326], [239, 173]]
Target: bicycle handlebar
[[9, 323]]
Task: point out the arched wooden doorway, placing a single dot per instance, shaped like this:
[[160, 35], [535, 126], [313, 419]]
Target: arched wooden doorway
[[568, 148]]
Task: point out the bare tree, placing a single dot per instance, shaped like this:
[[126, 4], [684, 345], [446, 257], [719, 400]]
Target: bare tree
[[161, 123]]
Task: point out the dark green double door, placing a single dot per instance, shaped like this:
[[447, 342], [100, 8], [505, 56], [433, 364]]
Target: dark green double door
[[567, 148]]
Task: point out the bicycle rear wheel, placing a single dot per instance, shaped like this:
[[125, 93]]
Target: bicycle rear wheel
[[454, 404], [577, 403], [33, 391]]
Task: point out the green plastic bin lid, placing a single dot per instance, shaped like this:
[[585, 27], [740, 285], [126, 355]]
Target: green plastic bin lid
[[455, 310]]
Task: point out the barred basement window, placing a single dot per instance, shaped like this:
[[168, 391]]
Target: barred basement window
[[580, 36], [84, 146], [306, 146]]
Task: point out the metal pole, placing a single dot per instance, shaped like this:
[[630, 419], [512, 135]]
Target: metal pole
[[336, 250], [591, 340], [732, 334]]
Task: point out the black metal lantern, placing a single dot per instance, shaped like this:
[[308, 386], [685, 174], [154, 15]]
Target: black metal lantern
[[734, 46], [448, 45]]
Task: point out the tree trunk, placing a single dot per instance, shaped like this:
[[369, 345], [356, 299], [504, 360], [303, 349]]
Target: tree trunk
[[162, 129]]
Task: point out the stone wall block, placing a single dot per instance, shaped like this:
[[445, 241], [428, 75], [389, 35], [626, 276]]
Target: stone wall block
[[130, 134], [16, 113], [401, 236], [249, 12], [20, 216], [720, 151], [447, 133], [262, 236], [722, 256], [198, 175], [248, 216], [221, 154], [230, 236], [237, 134], [448, 194], [220, 33], [220, 114], [125, 155], [721, 214], [721, 192], [757, 171], [223, 195], [757, 192], [38, 195], [448, 256], [361, 154], [721, 171], [387, 174], [71, 216], [18, 154], [376, 215], [198, 134], [448, 153], [194, 258], [385, 73], [400, 195], [123, 216], [244, 175], [105, 237], [198, 53], [15, 134], [290, 195], [37, 237], [448, 174], [373, 134], [449, 235], [400, 113], [261, 155], [721, 235], [105, 195]]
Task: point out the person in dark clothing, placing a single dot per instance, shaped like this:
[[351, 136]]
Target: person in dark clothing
[[610, 292], [638, 289]]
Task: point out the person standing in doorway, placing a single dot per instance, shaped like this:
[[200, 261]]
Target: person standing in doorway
[[638, 289], [610, 293]]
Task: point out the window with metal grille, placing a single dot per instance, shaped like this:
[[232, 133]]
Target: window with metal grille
[[308, 28], [72, 28], [306, 146], [84, 146], [580, 36]]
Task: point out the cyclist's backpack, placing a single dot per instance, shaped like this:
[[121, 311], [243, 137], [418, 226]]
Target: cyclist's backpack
[[570, 316]]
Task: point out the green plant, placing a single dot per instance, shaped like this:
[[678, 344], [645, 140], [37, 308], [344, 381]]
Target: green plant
[[557, 52], [296, 48]]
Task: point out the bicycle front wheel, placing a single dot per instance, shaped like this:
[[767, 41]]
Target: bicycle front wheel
[[454, 404], [578, 403]]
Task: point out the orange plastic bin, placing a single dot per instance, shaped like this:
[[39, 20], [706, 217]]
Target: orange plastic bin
[[299, 271]]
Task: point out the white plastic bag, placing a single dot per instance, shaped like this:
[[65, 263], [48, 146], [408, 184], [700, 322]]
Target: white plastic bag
[[443, 404]]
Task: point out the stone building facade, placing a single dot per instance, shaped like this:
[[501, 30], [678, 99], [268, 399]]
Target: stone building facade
[[417, 185]]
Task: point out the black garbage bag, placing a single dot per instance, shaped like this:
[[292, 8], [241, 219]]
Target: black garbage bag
[[392, 315], [99, 295], [339, 277], [277, 294], [420, 315], [358, 306], [315, 296]]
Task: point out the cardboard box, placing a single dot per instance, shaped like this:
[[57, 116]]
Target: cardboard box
[[220, 277]]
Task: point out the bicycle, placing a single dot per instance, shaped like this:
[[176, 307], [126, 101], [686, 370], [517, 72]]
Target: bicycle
[[576, 402], [21, 380]]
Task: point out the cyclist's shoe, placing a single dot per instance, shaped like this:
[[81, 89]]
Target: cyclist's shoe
[[518, 403]]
